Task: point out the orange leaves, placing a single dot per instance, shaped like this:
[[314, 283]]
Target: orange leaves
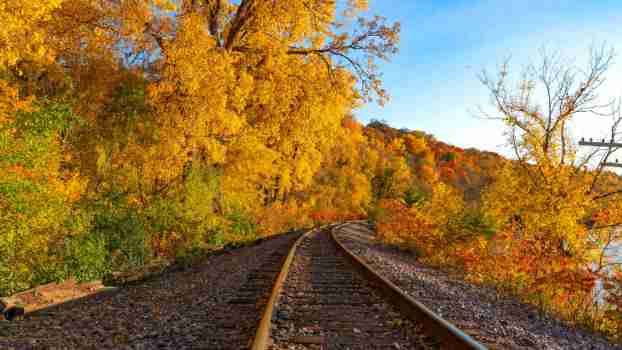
[[429, 226], [415, 144], [19, 170], [398, 224], [11, 101], [352, 125], [279, 217], [166, 5], [601, 217], [448, 174], [203, 117], [612, 323]]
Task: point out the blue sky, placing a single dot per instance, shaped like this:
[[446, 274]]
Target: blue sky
[[445, 44]]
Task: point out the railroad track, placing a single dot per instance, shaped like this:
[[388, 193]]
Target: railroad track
[[297, 291], [327, 298]]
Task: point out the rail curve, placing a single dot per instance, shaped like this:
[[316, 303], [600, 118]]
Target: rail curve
[[436, 331]]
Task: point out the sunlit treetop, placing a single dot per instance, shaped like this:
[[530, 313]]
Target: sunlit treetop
[[328, 30]]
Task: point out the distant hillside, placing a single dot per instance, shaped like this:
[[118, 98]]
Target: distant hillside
[[468, 170]]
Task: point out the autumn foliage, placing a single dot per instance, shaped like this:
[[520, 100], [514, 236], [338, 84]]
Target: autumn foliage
[[132, 131], [153, 129]]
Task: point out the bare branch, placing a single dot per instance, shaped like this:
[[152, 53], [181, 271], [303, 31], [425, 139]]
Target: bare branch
[[565, 91]]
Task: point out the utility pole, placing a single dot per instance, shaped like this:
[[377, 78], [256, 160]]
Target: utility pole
[[611, 145]]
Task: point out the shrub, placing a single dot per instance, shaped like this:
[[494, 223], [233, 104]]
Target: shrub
[[241, 226], [38, 197], [430, 228], [414, 197], [476, 222], [123, 230], [86, 257]]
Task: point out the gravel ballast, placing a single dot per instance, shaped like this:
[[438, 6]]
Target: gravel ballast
[[498, 321], [198, 307], [326, 304]]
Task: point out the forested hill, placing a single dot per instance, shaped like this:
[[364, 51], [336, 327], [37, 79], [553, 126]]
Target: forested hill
[[468, 170]]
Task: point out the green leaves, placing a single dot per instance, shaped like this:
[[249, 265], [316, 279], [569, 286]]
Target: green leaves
[[414, 197], [86, 257], [47, 119]]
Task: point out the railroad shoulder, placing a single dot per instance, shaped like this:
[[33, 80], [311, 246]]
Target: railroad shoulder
[[498, 321], [203, 306]]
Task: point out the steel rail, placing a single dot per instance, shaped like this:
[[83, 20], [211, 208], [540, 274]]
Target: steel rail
[[448, 335], [262, 336]]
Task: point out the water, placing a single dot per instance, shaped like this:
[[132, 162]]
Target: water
[[614, 252], [617, 254]]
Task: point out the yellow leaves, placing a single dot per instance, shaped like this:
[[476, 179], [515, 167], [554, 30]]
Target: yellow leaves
[[355, 7], [415, 144], [216, 152], [241, 91], [135, 15], [361, 5], [444, 203], [249, 165], [162, 92], [361, 194], [8, 100], [429, 227], [291, 105], [102, 158], [21, 33], [163, 88], [166, 5], [543, 246], [397, 146], [70, 189]]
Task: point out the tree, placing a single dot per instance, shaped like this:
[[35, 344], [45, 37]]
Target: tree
[[539, 110], [221, 65], [189, 123], [542, 201]]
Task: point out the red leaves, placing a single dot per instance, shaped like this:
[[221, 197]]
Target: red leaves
[[399, 224]]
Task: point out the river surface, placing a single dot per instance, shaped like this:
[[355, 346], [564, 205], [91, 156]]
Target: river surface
[[615, 252]]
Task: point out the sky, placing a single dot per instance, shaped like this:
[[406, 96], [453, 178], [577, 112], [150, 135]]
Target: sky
[[445, 44]]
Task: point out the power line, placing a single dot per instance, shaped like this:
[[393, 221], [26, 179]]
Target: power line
[[602, 143]]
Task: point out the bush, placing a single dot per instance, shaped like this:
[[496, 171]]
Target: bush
[[475, 221], [430, 228], [414, 197], [122, 230], [187, 221], [242, 226], [86, 257], [38, 198]]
